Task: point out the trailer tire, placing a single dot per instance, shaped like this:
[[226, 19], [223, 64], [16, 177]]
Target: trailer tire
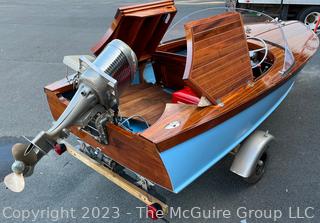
[[310, 14], [259, 170]]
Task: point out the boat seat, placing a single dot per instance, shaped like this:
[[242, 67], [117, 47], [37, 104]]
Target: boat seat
[[146, 100], [218, 59]]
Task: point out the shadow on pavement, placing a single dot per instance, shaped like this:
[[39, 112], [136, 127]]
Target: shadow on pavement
[[5, 160]]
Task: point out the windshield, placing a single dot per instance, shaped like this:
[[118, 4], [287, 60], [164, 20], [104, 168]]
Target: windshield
[[256, 24]]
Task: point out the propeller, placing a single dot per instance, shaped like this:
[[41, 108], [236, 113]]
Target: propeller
[[15, 181], [25, 159]]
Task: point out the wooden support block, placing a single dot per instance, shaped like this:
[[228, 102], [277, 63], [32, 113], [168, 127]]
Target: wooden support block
[[115, 178]]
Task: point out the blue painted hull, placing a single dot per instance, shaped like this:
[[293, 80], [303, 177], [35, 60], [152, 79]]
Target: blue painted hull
[[188, 160]]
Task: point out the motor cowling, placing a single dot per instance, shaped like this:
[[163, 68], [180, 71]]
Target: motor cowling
[[98, 90]]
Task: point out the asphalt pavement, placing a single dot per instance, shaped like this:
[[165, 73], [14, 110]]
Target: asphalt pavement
[[34, 37]]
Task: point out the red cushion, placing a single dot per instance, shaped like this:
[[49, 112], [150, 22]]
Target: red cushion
[[185, 96]]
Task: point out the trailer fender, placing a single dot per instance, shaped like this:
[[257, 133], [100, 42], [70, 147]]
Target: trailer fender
[[251, 150]]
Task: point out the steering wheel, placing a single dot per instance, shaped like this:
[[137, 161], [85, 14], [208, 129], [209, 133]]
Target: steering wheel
[[264, 48]]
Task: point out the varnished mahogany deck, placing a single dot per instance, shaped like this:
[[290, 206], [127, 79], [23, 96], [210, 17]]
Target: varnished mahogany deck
[[146, 100]]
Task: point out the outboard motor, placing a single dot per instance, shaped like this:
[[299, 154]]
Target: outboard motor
[[98, 89]]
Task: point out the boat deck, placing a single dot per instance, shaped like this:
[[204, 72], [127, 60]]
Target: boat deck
[[233, 100], [145, 100]]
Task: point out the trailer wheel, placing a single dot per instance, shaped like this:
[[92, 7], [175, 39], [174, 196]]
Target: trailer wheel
[[259, 170], [309, 16]]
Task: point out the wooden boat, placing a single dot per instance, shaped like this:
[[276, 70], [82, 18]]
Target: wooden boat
[[198, 95]]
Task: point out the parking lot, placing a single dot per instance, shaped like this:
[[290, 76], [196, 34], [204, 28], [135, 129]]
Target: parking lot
[[34, 37]]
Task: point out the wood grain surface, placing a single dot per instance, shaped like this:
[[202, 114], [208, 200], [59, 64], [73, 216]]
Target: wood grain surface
[[141, 27], [218, 58], [146, 100]]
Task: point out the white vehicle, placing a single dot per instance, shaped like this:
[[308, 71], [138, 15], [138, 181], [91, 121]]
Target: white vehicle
[[307, 11]]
